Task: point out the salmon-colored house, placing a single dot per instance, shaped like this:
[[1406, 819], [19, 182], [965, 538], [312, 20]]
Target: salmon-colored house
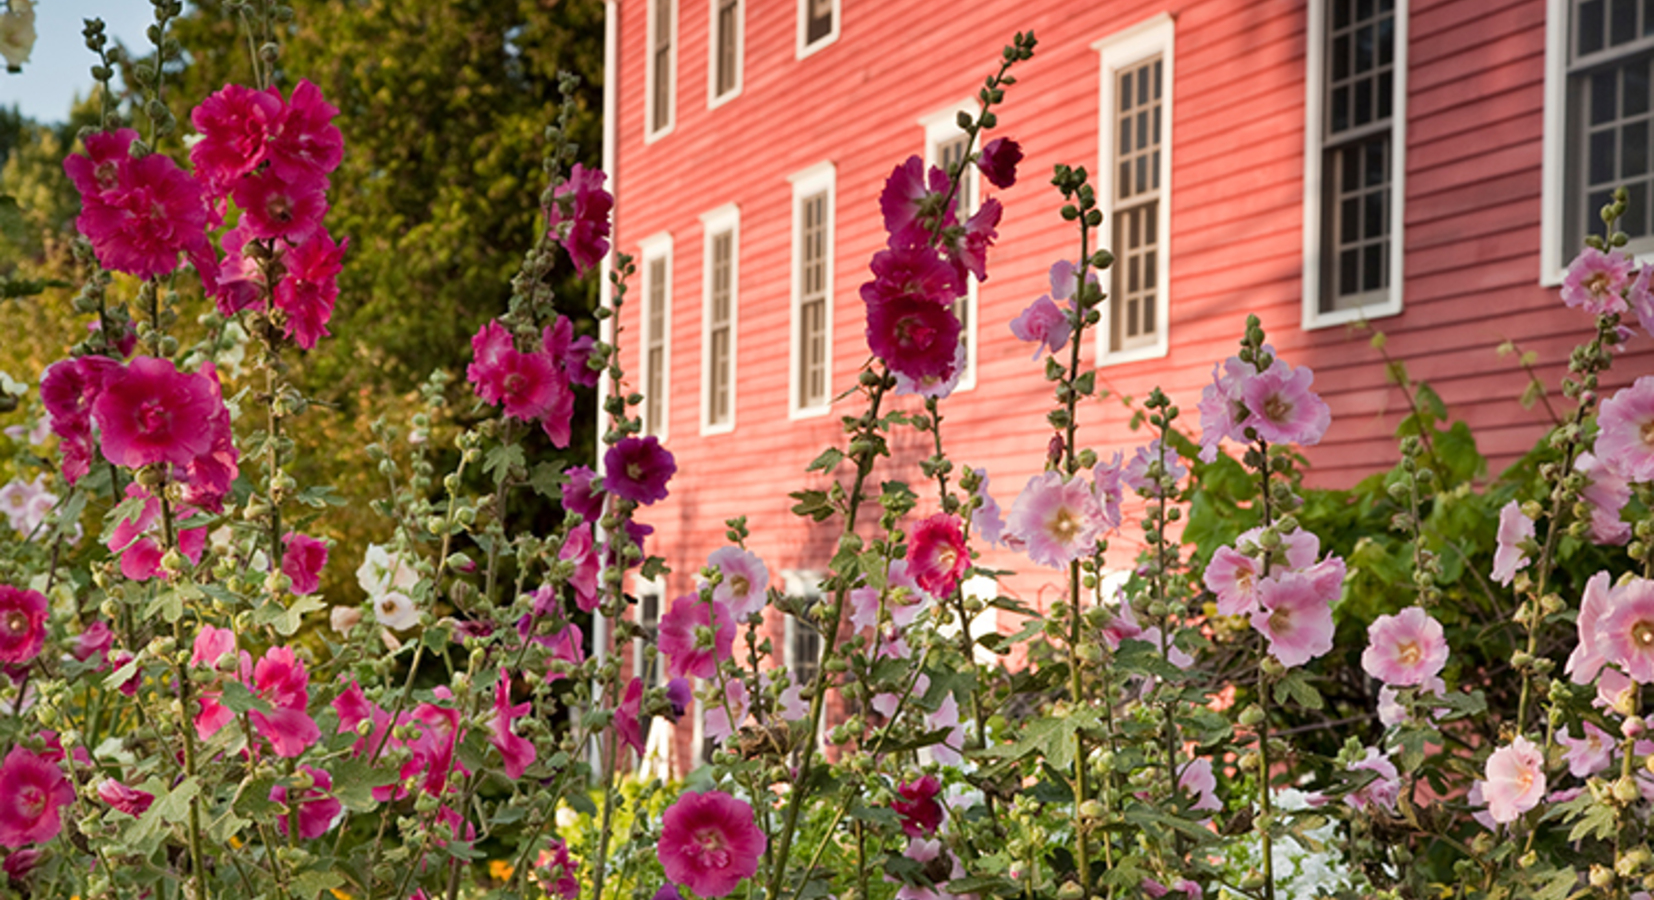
[[1428, 166]]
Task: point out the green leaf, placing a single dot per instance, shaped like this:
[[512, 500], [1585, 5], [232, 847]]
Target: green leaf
[[1598, 821], [1558, 884], [313, 881], [499, 460], [235, 697], [985, 884], [813, 504], [1051, 738], [547, 480], [120, 676], [827, 461], [320, 495], [286, 620], [1296, 687], [169, 604], [354, 781]]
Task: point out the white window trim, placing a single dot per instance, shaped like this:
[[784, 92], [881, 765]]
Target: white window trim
[[1152, 36], [813, 180], [657, 587], [939, 126], [802, 49], [656, 246], [1314, 153], [650, 133], [724, 218], [713, 98]]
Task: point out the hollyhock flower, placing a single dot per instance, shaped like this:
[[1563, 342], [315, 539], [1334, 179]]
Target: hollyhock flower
[[23, 615], [383, 571], [1284, 409], [31, 790], [912, 269], [35, 434], [628, 716], [986, 519], [1295, 616], [637, 469], [936, 554], [154, 413], [134, 539], [1515, 780], [914, 335], [937, 387], [1198, 779], [709, 843], [1392, 712], [1641, 299], [1596, 282], [1223, 409], [684, 656], [68, 390], [303, 561], [566, 646], [433, 760], [921, 813], [791, 704], [517, 751], [579, 496], [1608, 494], [317, 810], [578, 361], [969, 252], [950, 752], [1044, 325], [233, 122], [1589, 654], [395, 610], [16, 501], [343, 618], [999, 162], [1625, 633], [207, 478], [94, 641], [1136, 473], [556, 871], [580, 549], [1058, 522], [127, 799], [1381, 791], [304, 139], [906, 190], [1514, 528], [668, 891], [725, 714], [139, 214], [241, 282], [280, 679], [307, 294], [1184, 886], [1625, 441], [1407, 648], [1590, 754], [277, 207], [588, 206], [902, 596], [17, 37]]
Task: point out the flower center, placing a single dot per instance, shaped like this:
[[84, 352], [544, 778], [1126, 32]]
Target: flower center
[[634, 471], [1280, 621], [740, 585], [1642, 634], [32, 800], [1597, 283], [714, 852], [387, 606], [1647, 433], [946, 557], [1276, 409], [514, 382], [279, 208], [1409, 653], [105, 174], [154, 417], [16, 624], [1065, 526]]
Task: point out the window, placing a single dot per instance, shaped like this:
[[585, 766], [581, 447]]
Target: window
[[1598, 119], [723, 70], [1354, 160], [1134, 184], [812, 329], [649, 597], [720, 288], [945, 146], [663, 68], [817, 25], [657, 333]]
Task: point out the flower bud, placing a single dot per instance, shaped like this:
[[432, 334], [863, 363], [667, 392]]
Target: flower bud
[[1601, 877], [1625, 790], [1070, 890]]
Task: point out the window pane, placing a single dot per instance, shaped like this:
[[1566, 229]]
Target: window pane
[[1363, 101], [1372, 267], [1348, 275], [1341, 13], [820, 22], [1341, 57], [1634, 150], [1604, 97], [1373, 206], [1602, 157], [1364, 49], [1635, 82], [1622, 22], [1635, 223], [1591, 22], [1340, 109], [1349, 217]]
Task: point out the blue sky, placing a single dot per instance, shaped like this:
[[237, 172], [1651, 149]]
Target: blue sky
[[58, 69]]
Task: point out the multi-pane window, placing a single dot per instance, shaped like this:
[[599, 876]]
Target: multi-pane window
[[1139, 91], [817, 24], [656, 333], [648, 618], [948, 154], [720, 331], [1357, 156], [1609, 76], [663, 25], [812, 302], [726, 47]]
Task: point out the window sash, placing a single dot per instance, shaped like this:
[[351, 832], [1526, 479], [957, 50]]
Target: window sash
[[729, 12], [812, 307], [654, 390], [818, 23], [718, 328], [1139, 92], [1610, 118], [661, 89], [1357, 156]]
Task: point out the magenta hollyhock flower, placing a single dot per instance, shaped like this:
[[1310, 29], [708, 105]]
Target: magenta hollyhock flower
[[567, 646], [31, 790], [104, 174], [123, 797], [684, 657], [311, 286], [241, 282], [628, 717], [637, 469], [580, 549], [969, 253], [556, 871], [587, 240], [432, 761], [23, 615], [914, 270], [207, 477], [1514, 528], [302, 561], [1044, 325], [1058, 522], [276, 207], [938, 387], [1198, 779], [1284, 409], [304, 139], [280, 679], [1381, 791], [516, 751], [134, 539], [999, 162], [94, 641], [1515, 780], [709, 843], [1590, 754], [154, 413], [914, 335], [139, 214], [936, 554], [1295, 616], [921, 813], [579, 496], [317, 810], [745, 581], [1625, 633], [1405, 649], [68, 391], [906, 190], [1136, 473], [1596, 282], [1625, 441], [234, 123], [726, 714]]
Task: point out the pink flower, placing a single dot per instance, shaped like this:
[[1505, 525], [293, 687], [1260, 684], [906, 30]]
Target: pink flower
[[1405, 649], [950, 751], [303, 561], [317, 811], [306, 295], [726, 714], [637, 469], [1514, 528], [938, 387], [154, 413], [588, 206], [915, 335], [1641, 299], [1589, 654], [556, 871], [580, 549], [1296, 617], [1596, 282], [304, 139], [628, 724], [1515, 780], [684, 656], [127, 799], [903, 598], [1590, 754], [233, 123], [139, 214], [921, 813], [276, 207], [969, 253], [986, 518], [1608, 494], [1058, 522], [31, 790], [23, 615], [1136, 473], [709, 843], [578, 495], [745, 581], [1625, 634], [906, 189], [936, 554], [1381, 791], [912, 268], [517, 751], [1044, 325], [135, 539], [1625, 442], [207, 477], [999, 162], [94, 641], [1284, 409], [1198, 779], [938, 867], [281, 681], [68, 389]]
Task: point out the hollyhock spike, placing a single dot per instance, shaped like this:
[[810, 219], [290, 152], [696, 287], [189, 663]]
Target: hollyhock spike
[[303, 561], [1596, 282], [587, 239]]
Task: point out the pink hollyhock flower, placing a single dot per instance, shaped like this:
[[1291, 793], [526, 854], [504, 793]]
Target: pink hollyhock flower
[[23, 615], [1515, 780], [134, 539], [921, 813], [791, 704], [1184, 886], [139, 214], [68, 390], [950, 752], [912, 269], [280, 679], [531, 386], [709, 843], [1641, 299], [275, 207], [1608, 494], [1625, 441], [637, 469], [1136, 472], [936, 554], [31, 790], [1284, 409], [906, 190], [304, 139], [16, 500], [1625, 633], [127, 799], [20, 864], [1590, 754], [1295, 616], [1614, 691], [94, 641], [986, 519], [887, 704], [745, 581], [317, 811], [725, 715], [1198, 779], [680, 695], [1381, 791], [567, 646], [307, 294], [1405, 649], [1589, 655], [969, 253], [233, 122], [999, 162], [1223, 410], [1596, 282], [1514, 528], [241, 282], [579, 496], [1233, 577], [940, 868], [903, 598], [684, 655], [303, 561], [207, 477], [556, 871], [628, 717], [433, 758], [1044, 325], [1058, 522], [938, 387], [580, 549], [588, 206], [104, 174], [914, 335], [154, 413], [517, 751]]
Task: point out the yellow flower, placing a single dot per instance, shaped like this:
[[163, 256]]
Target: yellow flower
[[339, 894], [499, 869]]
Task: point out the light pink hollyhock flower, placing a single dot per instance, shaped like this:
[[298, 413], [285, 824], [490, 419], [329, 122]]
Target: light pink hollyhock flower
[[1175, 655], [311, 287], [745, 583], [1044, 325], [318, 810], [1284, 409], [17, 499], [1641, 298], [1589, 655], [887, 704], [1608, 494], [1223, 412], [154, 413], [1198, 779], [280, 679], [1108, 481], [1515, 780], [998, 162], [517, 751], [1476, 798], [792, 705], [1625, 441], [123, 797], [1626, 633], [1405, 649], [928, 853], [1614, 690], [303, 561], [677, 637], [587, 240], [1058, 522], [1596, 282], [1122, 625], [628, 724], [1514, 528], [709, 843], [1233, 575], [1381, 791], [986, 519], [1295, 616], [721, 712], [1136, 472], [23, 616], [903, 598], [31, 790], [1590, 754], [950, 752], [936, 554]]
